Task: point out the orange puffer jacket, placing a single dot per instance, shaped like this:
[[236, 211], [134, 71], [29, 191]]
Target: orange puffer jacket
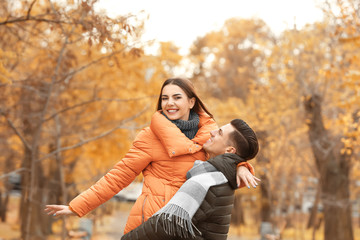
[[163, 154]]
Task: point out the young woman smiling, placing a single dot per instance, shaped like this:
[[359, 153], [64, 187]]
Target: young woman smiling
[[163, 152]]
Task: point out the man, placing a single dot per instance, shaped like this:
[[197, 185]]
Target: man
[[201, 209]]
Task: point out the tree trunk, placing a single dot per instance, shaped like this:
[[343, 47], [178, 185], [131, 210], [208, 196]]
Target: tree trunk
[[266, 210], [5, 196], [334, 174], [265, 199], [25, 186], [34, 222], [237, 216], [3, 203], [313, 221], [61, 186]]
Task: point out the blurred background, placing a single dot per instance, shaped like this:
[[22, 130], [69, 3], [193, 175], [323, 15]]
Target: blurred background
[[80, 78]]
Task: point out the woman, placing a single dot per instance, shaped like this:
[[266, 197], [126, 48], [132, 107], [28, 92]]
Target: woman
[[163, 152]]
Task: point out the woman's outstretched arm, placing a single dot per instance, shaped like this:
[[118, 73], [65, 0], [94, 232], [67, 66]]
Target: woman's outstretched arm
[[120, 176]]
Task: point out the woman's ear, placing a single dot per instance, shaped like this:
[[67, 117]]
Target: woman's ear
[[192, 102], [230, 149]]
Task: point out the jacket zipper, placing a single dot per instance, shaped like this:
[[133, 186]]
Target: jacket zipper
[[142, 213]]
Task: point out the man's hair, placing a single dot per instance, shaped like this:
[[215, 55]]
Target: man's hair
[[244, 139]]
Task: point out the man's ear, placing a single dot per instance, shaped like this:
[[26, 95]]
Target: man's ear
[[230, 149]]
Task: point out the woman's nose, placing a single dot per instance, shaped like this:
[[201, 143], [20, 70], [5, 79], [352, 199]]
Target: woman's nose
[[170, 102]]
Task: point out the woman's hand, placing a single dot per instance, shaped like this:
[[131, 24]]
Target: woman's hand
[[59, 210], [243, 175]]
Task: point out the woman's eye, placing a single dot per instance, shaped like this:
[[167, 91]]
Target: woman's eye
[[163, 99]]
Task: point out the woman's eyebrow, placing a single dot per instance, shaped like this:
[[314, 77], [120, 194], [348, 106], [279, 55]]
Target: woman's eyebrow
[[176, 94]]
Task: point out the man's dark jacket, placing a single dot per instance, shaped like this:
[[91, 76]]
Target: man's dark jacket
[[213, 216]]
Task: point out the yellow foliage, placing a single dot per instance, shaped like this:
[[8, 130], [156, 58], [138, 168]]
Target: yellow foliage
[[4, 73]]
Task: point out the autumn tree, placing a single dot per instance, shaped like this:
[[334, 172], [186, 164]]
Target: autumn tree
[[297, 67], [312, 63], [229, 60], [69, 76]]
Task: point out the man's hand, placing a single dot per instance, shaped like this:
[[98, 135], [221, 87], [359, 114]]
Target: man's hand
[[243, 175], [59, 210]]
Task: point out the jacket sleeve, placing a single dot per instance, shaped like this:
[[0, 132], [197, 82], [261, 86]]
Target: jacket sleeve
[[120, 176], [207, 124]]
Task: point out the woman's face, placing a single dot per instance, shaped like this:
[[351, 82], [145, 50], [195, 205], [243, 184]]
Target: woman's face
[[175, 103]]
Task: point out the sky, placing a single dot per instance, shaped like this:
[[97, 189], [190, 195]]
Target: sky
[[181, 22]]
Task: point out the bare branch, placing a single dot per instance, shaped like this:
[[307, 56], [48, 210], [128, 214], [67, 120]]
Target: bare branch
[[24, 19], [95, 100], [125, 100], [25, 87], [15, 171], [23, 140], [72, 73], [121, 125], [69, 108], [30, 8], [54, 77]]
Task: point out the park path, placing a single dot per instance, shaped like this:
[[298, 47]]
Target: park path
[[112, 227]]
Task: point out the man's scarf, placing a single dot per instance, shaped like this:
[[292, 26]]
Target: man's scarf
[[176, 215]]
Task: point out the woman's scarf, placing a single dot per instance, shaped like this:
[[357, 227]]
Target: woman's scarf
[[176, 215], [190, 127]]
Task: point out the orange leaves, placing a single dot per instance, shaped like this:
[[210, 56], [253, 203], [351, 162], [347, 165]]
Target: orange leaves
[[137, 52], [170, 53], [231, 59], [4, 73], [90, 85]]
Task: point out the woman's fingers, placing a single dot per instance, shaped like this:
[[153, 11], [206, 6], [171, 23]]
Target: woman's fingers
[[252, 180], [55, 207], [246, 177], [50, 212], [255, 181], [57, 210]]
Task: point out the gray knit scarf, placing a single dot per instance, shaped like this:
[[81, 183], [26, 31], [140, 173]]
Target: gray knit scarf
[[190, 127], [176, 215]]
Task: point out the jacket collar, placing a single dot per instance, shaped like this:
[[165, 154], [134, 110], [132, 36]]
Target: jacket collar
[[227, 164], [171, 136]]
